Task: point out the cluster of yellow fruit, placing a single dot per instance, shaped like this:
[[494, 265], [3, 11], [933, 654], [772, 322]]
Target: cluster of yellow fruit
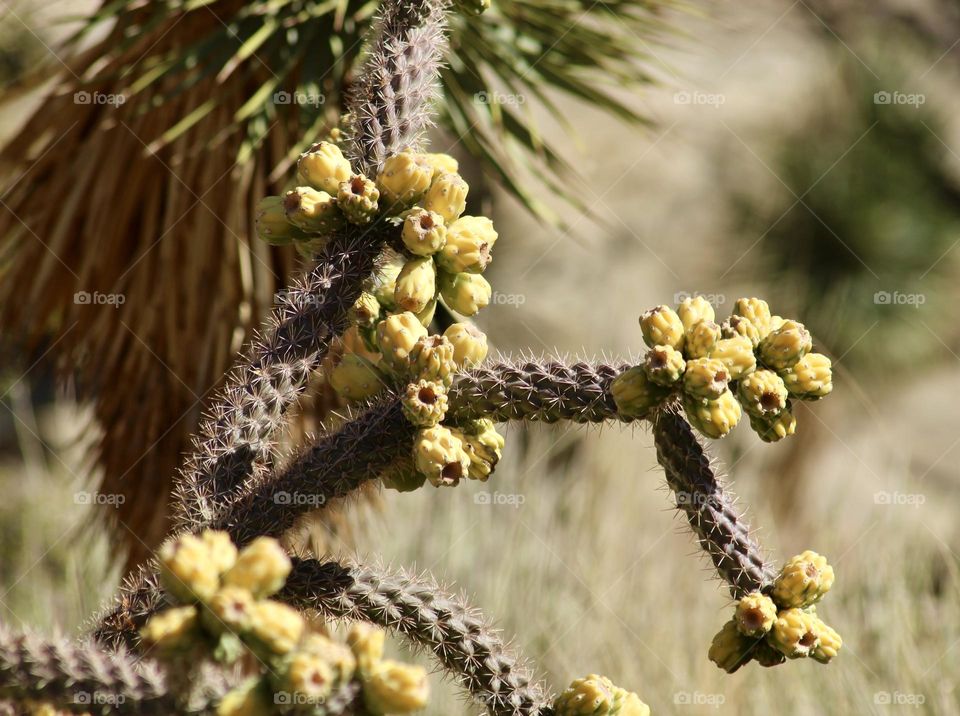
[[754, 362], [225, 608], [770, 628], [596, 695]]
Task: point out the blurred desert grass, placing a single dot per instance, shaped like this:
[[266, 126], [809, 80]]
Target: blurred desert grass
[[580, 558]]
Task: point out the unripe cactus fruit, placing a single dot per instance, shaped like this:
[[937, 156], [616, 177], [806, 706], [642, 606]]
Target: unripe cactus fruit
[[447, 196], [469, 242], [416, 285], [635, 394], [705, 378], [803, 580], [829, 642], [356, 378], [365, 311], [404, 178], [357, 198], [186, 569], [385, 283], [596, 695], [276, 627], [272, 223], [426, 315], [230, 610], [323, 167], [465, 293], [810, 378], [424, 232], [441, 163], [714, 418], [396, 688], [311, 210], [762, 394], [174, 629], [424, 403], [221, 551], [756, 311], [469, 344], [433, 358], [755, 614], [730, 649], [664, 365], [740, 326], [737, 354], [251, 698], [484, 445], [700, 339], [366, 643], [775, 428], [262, 568], [794, 633], [396, 336], [661, 326], [439, 455], [785, 346], [694, 309]]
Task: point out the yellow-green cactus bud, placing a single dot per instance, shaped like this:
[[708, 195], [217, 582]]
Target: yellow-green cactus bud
[[469, 241], [338, 655], [447, 196], [740, 326], [803, 580], [262, 568], [694, 309], [396, 688], [402, 478], [275, 626], [794, 633], [829, 642], [766, 655], [775, 428], [737, 354], [416, 285], [473, 7], [441, 163], [635, 394], [432, 358], [755, 614], [757, 312], [439, 455], [311, 210], [810, 378], [705, 378], [596, 695], [484, 445], [356, 378], [424, 232], [700, 339], [469, 344], [664, 365], [323, 167], [229, 610], [784, 347], [424, 403], [762, 394], [714, 418], [730, 649], [366, 643], [173, 629], [308, 678], [251, 698], [465, 293], [357, 198], [186, 569], [405, 178], [272, 224], [365, 311], [661, 326], [386, 282], [396, 336]]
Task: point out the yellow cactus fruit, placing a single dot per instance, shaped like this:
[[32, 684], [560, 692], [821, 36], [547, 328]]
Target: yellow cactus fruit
[[465, 293], [230, 610], [635, 394], [803, 580], [661, 326], [432, 358], [173, 629], [700, 339], [784, 347], [755, 614], [396, 688], [323, 167], [439, 455], [740, 326], [277, 627], [186, 569], [469, 241], [356, 378], [484, 445], [357, 198], [366, 643], [694, 309], [262, 568], [664, 365], [596, 695], [469, 344], [705, 378], [441, 163], [386, 282], [338, 655], [713, 418], [221, 551], [365, 311], [396, 336], [762, 394], [426, 315], [405, 178], [730, 649], [251, 698], [737, 354], [308, 678], [776, 322], [829, 642], [794, 633], [447, 196], [416, 285], [775, 428], [810, 378], [424, 232], [424, 403], [272, 224], [757, 312], [311, 210]]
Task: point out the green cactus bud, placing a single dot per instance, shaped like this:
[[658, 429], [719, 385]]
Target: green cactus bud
[[775, 427], [432, 358], [794, 633], [737, 355], [700, 339], [664, 365], [356, 378], [786, 346], [469, 242], [810, 378], [829, 642], [323, 167], [416, 285], [311, 210], [757, 312], [469, 344], [755, 614], [405, 178], [447, 196], [714, 418], [635, 394], [730, 649], [425, 403], [661, 326], [396, 336], [439, 455], [395, 688], [366, 310], [705, 378], [465, 293], [803, 580], [762, 394], [740, 326], [694, 309], [424, 232], [272, 224], [357, 198]]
